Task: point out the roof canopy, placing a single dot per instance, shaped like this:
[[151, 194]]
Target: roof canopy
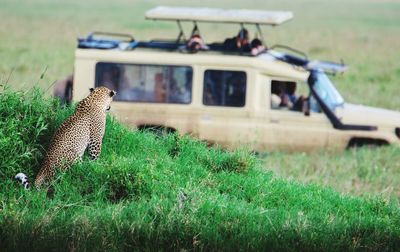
[[241, 16]]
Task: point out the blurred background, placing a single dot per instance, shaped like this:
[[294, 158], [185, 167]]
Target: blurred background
[[40, 34]]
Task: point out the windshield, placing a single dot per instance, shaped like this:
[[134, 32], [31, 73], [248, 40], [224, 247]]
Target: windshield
[[327, 91]]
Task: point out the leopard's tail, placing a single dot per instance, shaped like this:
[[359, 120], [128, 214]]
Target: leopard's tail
[[23, 180]]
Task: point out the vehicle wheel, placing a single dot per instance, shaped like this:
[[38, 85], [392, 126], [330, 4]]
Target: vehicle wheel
[[68, 93], [158, 130], [366, 142], [63, 90]]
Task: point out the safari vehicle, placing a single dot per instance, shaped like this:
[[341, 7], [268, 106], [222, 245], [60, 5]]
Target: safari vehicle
[[227, 98]]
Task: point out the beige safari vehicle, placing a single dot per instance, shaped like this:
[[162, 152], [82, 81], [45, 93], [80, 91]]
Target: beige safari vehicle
[[229, 98]]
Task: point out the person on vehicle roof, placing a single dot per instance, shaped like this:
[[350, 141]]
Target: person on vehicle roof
[[257, 47], [196, 43], [239, 43]]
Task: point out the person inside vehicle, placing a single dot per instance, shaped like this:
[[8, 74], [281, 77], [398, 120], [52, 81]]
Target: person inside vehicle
[[276, 95], [239, 43], [297, 102], [159, 88], [283, 94], [290, 91]]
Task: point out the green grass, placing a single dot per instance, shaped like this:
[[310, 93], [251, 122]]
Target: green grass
[[169, 192]]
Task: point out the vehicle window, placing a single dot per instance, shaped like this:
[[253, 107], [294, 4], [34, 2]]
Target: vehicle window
[[146, 83], [314, 106], [288, 95], [327, 91], [224, 88]]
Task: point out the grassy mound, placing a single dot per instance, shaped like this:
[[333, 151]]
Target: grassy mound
[[169, 192]]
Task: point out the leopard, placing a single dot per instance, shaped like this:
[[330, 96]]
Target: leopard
[[82, 131]]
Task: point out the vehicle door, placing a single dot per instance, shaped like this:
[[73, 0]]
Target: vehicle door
[[287, 126], [225, 116]]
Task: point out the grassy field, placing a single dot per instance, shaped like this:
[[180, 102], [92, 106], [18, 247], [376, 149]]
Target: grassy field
[[169, 193], [38, 38]]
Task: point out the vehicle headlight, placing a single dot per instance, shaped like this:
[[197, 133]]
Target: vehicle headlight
[[397, 131]]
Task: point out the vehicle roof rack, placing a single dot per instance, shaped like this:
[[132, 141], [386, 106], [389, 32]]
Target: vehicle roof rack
[[106, 40], [213, 15]]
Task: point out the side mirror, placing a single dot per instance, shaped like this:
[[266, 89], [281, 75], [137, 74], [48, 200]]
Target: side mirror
[[306, 107]]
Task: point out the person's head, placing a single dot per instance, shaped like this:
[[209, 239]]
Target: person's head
[[243, 36], [256, 47], [276, 88], [256, 42], [194, 43]]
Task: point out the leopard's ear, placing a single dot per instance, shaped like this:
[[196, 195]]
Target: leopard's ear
[[112, 93], [91, 90]]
